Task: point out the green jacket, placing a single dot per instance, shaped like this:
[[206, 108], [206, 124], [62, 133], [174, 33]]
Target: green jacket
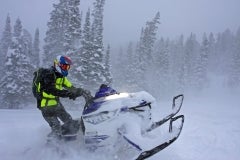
[[52, 86]]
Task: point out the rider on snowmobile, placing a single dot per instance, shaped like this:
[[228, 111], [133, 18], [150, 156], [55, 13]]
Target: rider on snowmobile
[[54, 84]]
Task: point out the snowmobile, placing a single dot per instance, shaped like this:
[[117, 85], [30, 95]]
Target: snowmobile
[[123, 123]]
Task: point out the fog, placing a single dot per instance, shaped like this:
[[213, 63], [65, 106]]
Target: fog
[[123, 19]]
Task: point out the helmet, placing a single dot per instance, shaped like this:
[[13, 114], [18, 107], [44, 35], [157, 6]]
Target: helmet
[[62, 64]]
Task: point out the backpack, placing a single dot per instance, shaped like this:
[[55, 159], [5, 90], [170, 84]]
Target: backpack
[[36, 79]]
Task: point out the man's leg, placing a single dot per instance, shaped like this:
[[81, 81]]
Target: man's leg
[[70, 126], [64, 116], [54, 123]]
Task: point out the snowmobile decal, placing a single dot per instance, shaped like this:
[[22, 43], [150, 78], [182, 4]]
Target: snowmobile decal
[[129, 141], [95, 139], [100, 117], [92, 107]]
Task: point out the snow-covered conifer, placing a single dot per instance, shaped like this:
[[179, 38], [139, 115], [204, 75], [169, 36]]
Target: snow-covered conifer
[[191, 49], [234, 74], [200, 70], [83, 63], [36, 49], [5, 39], [16, 84], [145, 48], [96, 59], [64, 30]]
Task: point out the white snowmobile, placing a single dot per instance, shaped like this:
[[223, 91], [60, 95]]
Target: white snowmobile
[[122, 123]]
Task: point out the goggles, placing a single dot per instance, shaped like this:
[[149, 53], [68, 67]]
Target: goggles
[[65, 67]]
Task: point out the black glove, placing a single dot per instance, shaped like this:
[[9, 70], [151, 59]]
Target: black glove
[[77, 92], [87, 95], [72, 95]]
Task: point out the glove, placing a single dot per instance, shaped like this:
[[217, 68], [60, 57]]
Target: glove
[[87, 96], [72, 95], [76, 92]]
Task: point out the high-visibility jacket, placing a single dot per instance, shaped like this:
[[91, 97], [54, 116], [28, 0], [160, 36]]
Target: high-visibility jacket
[[50, 99]]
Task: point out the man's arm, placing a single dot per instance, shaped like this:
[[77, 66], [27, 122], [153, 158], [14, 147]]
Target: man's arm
[[77, 92]]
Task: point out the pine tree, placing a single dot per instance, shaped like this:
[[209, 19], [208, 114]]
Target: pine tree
[[72, 33], [200, 73], [84, 70], [54, 35], [234, 76], [64, 30], [146, 43], [10, 84], [16, 85], [161, 68], [107, 65], [36, 49], [191, 49], [179, 61], [17, 29], [97, 67], [4, 45], [139, 64], [97, 25], [119, 71], [212, 54], [130, 72], [27, 39], [224, 52], [6, 39]]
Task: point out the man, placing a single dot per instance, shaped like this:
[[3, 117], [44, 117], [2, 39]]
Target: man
[[52, 84]]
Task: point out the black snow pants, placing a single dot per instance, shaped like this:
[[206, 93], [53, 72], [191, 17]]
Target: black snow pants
[[53, 114]]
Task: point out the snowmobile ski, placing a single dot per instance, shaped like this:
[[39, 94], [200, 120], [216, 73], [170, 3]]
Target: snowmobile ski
[[176, 108], [151, 152]]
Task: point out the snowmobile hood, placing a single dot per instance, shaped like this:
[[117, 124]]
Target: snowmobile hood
[[117, 101]]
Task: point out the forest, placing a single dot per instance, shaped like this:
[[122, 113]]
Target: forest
[[153, 63]]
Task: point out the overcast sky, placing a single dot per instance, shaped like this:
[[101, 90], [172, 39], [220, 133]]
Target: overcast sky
[[124, 18]]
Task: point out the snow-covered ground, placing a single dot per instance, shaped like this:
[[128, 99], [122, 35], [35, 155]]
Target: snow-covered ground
[[211, 131]]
